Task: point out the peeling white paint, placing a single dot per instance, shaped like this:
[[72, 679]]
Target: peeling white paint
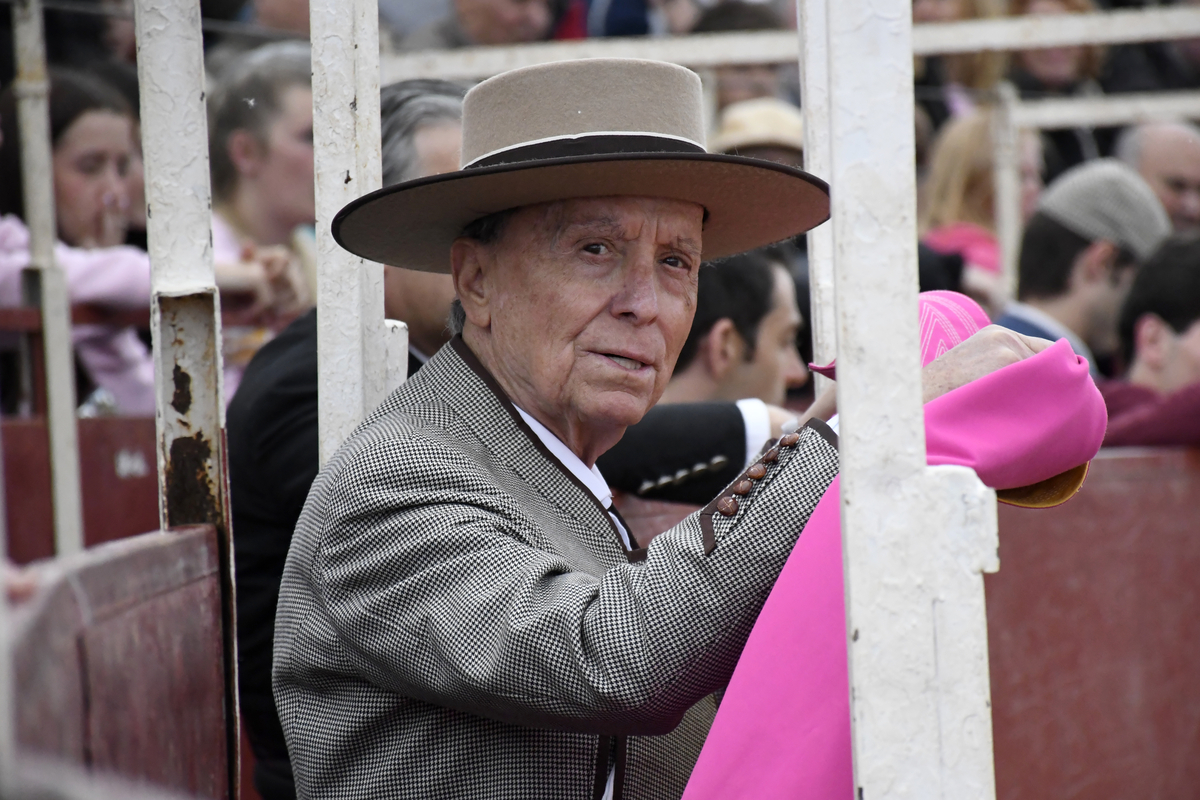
[[352, 348]]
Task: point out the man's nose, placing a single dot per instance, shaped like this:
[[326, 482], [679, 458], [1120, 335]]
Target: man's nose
[[795, 374], [637, 298]]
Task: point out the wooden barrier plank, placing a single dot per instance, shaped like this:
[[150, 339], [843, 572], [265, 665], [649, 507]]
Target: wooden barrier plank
[[120, 662], [1093, 621], [120, 483]]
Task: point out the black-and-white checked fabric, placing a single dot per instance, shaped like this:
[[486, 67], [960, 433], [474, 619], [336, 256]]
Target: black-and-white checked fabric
[[458, 618]]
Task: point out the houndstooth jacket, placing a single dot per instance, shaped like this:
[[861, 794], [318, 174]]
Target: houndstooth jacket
[[458, 616]]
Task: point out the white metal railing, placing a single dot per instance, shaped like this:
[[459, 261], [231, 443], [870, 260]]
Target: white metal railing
[[700, 51], [46, 284], [814, 76], [352, 349], [1014, 115], [185, 306], [917, 632]]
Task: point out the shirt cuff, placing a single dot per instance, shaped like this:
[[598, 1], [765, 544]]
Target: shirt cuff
[[758, 426], [833, 424]]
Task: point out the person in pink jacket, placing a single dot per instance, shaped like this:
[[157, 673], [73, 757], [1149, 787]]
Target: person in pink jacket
[[783, 727], [92, 141]]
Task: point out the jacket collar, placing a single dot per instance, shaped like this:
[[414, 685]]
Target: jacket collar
[[470, 360]]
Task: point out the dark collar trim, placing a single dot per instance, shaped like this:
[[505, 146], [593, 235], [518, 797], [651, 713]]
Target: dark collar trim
[[471, 360]]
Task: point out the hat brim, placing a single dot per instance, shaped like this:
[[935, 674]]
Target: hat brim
[[1048, 493], [749, 202]]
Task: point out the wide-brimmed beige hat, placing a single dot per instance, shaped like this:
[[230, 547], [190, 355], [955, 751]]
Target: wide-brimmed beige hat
[[587, 128], [761, 122]]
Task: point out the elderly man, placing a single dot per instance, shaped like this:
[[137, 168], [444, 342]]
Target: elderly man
[[460, 614], [1167, 156]]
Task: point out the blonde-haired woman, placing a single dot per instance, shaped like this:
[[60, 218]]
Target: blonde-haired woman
[[950, 86], [958, 209]]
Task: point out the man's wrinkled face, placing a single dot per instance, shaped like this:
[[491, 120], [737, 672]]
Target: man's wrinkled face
[[1170, 163], [589, 302]]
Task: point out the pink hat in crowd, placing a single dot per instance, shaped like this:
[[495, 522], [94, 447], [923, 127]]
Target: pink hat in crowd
[[783, 727]]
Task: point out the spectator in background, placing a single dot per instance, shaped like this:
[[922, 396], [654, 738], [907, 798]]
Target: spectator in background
[[1158, 403], [1167, 156], [742, 343], [738, 82], [1062, 71], [766, 128], [484, 22], [1093, 228], [281, 15], [773, 130], [959, 214], [946, 86], [273, 445], [260, 141]]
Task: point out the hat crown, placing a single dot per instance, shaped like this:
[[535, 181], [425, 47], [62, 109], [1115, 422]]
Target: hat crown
[[1106, 199], [573, 99]]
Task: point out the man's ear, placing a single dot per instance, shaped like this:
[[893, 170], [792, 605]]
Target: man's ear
[[1152, 339], [1096, 263], [722, 348], [469, 262], [244, 151]]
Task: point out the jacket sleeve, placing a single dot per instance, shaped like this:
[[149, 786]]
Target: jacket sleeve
[[436, 587]]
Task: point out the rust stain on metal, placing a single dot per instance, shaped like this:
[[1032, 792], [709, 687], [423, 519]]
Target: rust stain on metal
[[191, 495], [182, 399]]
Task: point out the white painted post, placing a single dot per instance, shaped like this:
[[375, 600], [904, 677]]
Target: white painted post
[[397, 353], [186, 310], [915, 538], [352, 350], [814, 78], [32, 88], [1006, 180]]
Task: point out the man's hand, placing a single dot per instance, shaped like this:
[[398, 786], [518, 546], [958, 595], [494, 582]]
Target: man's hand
[[985, 352]]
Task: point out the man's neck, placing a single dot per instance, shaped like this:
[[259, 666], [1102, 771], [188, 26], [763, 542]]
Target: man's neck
[[1142, 374], [1067, 311], [248, 215], [690, 386]]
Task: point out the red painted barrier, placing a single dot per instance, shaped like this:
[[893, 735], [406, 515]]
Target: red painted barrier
[[1094, 633], [118, 662]]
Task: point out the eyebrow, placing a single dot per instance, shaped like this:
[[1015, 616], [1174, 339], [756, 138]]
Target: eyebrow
[[611, 226]]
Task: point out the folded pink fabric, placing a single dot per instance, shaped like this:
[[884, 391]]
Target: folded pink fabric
[[783, 728]]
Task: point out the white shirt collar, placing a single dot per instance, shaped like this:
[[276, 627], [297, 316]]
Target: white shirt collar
[[591, 478], [1054, 328]]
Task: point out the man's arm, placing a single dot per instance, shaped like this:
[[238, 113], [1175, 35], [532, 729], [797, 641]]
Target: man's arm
[[436, 586]]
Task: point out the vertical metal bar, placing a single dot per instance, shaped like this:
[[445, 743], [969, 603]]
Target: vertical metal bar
[[915, 538], [8, 706], [814, 77], [186, 321], [352, 350], [32, 88], [1006, 165]]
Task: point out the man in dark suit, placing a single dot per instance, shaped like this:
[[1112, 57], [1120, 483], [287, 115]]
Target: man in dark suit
[[272, 420]]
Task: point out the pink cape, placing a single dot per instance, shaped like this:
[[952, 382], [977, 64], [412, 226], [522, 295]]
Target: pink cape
[[783, 727]]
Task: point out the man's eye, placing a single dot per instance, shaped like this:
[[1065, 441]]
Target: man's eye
[[675, 261], [596, 248]]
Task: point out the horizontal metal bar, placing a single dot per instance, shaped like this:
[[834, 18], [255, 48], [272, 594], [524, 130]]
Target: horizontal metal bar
[[1060, 30], [1105, 110], [209, 25], [776, 47]]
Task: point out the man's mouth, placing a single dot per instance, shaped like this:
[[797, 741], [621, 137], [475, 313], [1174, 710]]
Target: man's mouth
[[630, 364]]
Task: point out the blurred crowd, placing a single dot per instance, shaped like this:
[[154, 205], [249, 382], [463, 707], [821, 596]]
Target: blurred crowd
[[751, 337], [1109, 257]]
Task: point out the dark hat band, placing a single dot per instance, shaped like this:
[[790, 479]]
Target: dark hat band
[[585, 146]]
